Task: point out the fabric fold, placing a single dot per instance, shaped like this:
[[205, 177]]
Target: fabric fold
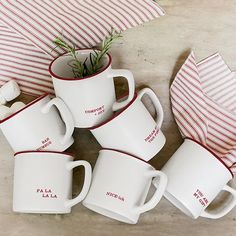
[[188, 102], [213, 100]]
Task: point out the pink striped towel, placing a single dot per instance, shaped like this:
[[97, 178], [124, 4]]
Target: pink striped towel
[[28, 27], [203, 97]]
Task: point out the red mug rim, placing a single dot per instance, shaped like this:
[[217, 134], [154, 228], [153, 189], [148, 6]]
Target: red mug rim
[[25, 107], [78, 78], [117, 114], [213, 155], [41, 151]]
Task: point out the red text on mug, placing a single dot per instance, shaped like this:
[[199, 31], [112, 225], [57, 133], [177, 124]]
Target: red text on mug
[[152, 135], [45, 143], [114, 195], [96, 111], [46, 193], [200, 197]]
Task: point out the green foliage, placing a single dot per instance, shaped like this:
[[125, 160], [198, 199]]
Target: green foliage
[[82, 69]]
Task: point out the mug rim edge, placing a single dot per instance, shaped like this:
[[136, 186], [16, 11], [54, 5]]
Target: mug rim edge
[[46, 151], [77, 78]]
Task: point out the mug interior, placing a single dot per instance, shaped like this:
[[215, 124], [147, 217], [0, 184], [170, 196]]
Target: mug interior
[[128, 155], [109, 213], [25, 107], [60, 67], [178, 204], [116, 114], [206, 149]]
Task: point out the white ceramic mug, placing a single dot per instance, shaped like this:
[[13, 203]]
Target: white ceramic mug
[[195, 177], [91, 99], [43, 182], [39, 126], [133, 129], [120, 185]]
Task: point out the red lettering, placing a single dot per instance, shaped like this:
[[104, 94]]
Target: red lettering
[[202, 202], [152, 135], [114, 195], [205, 200]]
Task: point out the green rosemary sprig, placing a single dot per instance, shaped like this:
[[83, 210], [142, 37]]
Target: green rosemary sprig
[[77, 66], [82, 69]]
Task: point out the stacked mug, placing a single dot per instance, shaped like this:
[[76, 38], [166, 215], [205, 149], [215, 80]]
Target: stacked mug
[[128, 134], [41, 131], [38, 133]]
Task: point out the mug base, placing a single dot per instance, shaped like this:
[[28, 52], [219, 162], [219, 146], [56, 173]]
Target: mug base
[[40, 211], [110, 214], [179, 205]]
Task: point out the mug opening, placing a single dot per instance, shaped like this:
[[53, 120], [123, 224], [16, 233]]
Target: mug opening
[[178, 204], [108, 213], [213, 154], [63, 76], [46, 152], [130, 155], [25, 107], [116, 114]]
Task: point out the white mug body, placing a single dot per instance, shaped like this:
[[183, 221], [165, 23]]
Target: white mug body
[[120, 185], [43, 182], [195, 178], [38, 126], [91, 98], [132, 130]]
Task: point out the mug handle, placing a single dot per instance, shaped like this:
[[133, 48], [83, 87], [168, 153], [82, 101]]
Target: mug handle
[[226, 209], [65, 114], [160, 189], [130, 79], [156, 103], [87, 181]]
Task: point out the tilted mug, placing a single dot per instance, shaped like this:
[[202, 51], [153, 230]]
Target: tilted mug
[[195, 177], [133, 129], [43, 124]]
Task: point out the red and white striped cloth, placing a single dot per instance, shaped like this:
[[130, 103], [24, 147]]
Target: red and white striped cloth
[[28, 28], [203, 97]]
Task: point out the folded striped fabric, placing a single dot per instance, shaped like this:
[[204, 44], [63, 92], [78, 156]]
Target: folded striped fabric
[[203, 102], [28, 28]]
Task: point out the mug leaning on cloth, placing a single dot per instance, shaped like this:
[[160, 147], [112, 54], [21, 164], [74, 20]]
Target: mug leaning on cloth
[[133, 129], [120, 185], [91, 99], [195, 178], [43, 182], [39, 126]]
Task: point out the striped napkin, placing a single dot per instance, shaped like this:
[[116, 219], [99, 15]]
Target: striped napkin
[[203, 98], [28, 27]]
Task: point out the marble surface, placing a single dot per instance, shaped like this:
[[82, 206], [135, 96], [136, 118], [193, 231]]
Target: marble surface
[[154, 52]]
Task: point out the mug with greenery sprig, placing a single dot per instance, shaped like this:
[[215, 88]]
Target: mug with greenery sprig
[[80, 68]]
